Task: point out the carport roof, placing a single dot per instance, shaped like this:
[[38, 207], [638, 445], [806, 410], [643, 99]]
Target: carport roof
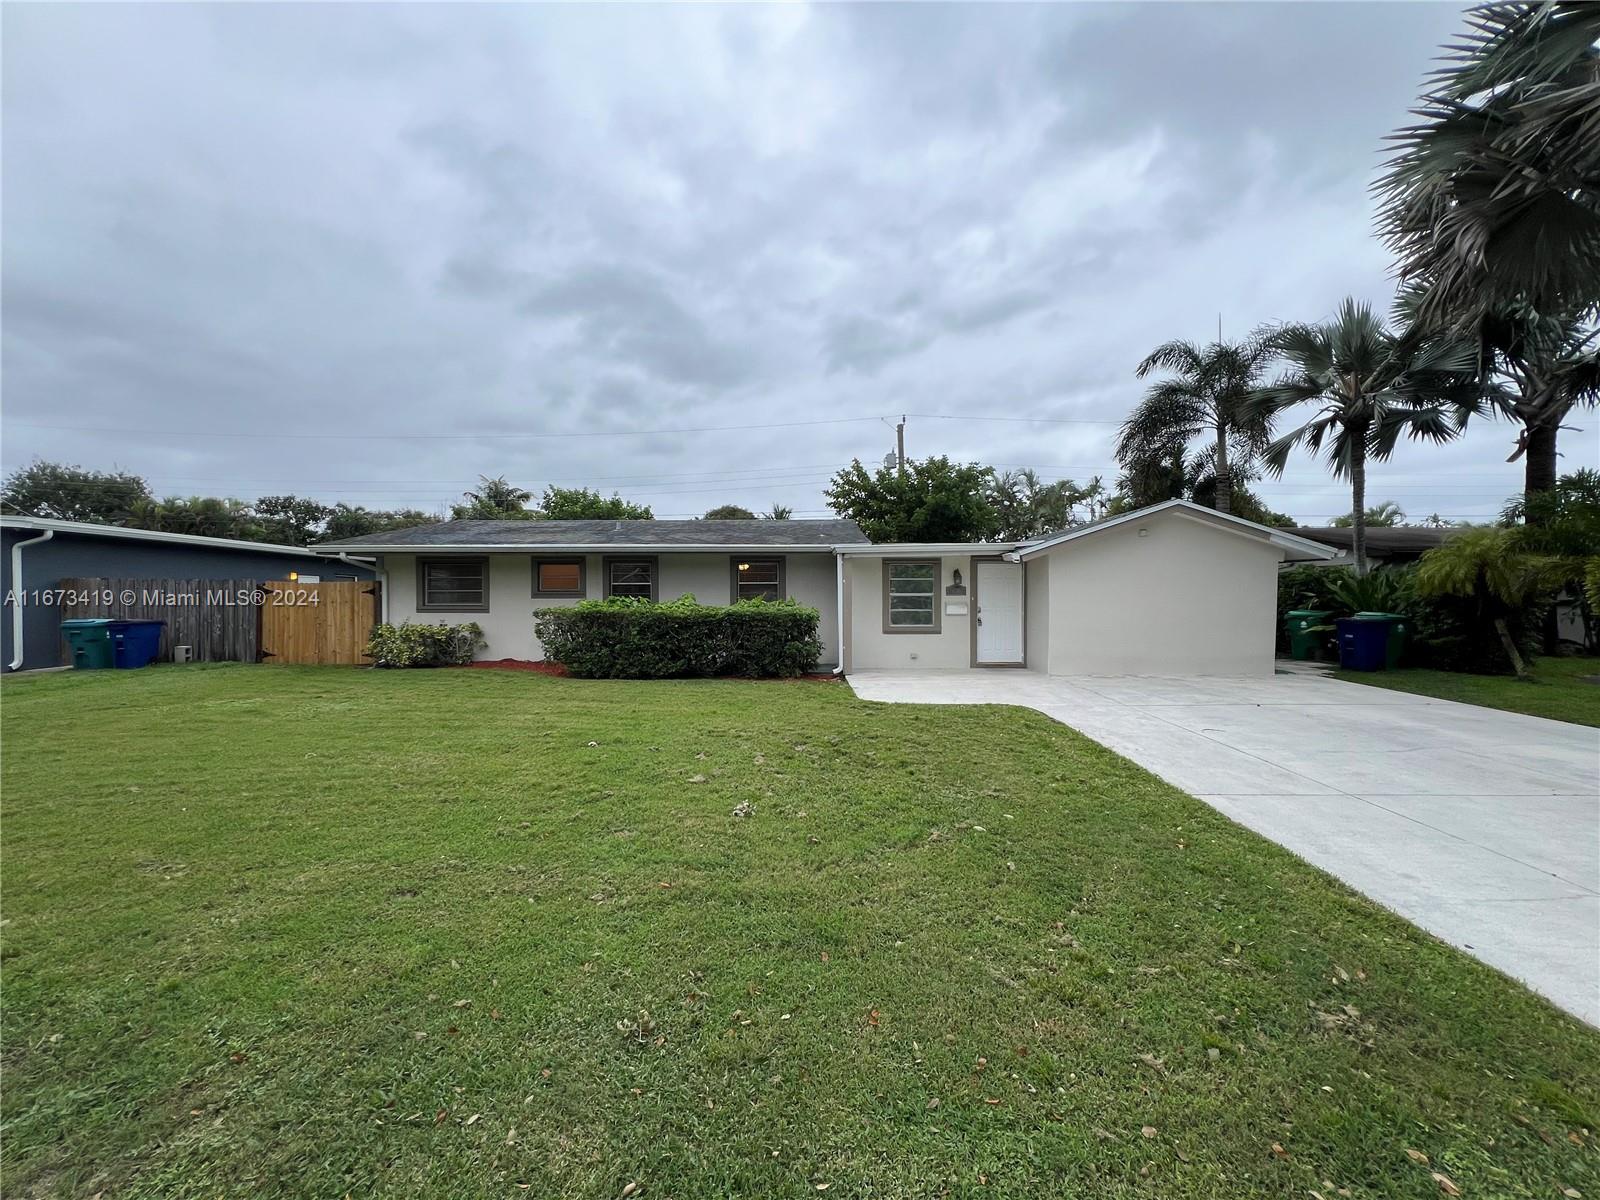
[[1296, 549]]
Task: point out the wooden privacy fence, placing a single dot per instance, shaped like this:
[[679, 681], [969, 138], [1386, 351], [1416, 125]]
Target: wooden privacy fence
[[318, 622], [220, 619], [238, 620]]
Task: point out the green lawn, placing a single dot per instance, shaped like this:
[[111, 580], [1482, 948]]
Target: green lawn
[[1561, 688], [299, 931]]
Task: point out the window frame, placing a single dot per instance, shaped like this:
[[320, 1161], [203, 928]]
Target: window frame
[[571, 560], [938, 576], [733, 573], [653, 560], [431, 560]]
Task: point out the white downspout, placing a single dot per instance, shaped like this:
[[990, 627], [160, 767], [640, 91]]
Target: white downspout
[[17, 596], [838, 571], [376, 567]]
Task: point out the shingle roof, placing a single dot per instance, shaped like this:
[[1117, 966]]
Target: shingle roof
[[511, 534], [1385, 540]]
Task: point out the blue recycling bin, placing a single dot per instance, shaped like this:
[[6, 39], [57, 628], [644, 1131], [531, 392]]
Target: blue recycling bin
[[134, 643], [1363, 644]]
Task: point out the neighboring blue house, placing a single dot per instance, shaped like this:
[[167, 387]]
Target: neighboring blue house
[[37, 554]]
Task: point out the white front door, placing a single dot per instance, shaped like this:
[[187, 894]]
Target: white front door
[[999, 612]]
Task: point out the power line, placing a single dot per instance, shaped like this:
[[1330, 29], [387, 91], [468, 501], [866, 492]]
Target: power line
[[495, 434]]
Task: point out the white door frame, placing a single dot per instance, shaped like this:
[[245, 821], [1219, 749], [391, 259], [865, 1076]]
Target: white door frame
[[1022, 609]]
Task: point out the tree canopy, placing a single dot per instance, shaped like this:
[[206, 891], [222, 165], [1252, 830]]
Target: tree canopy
[[931, 500], [69, 493], [586, 504]]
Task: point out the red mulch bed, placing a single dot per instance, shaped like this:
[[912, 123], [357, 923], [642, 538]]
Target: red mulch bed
[[556, 669], [520, 664]]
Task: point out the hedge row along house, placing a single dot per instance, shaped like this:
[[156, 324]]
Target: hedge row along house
[[1174, 589]]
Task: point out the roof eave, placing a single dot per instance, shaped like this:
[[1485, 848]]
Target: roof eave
[[124, 533], [573, 548]]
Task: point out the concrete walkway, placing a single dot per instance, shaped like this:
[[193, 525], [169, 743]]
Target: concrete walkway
[[1481, 826]]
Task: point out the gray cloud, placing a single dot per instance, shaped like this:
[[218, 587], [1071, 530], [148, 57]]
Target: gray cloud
[[471, 225]]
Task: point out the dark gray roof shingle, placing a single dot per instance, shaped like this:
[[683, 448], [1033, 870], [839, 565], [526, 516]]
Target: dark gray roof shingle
[[1404, 540], [613, 533]]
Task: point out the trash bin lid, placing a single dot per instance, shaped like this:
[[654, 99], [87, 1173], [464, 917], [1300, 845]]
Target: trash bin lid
[[133, 624], [87, 622], [1307, 612], [1379, 616]]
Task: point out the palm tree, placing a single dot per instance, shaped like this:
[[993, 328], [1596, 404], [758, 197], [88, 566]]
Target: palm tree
[[1494, 195], [1380, 516], [1544, 368], [779, 512], [495, 500], [1204, 397], [1370, 385]]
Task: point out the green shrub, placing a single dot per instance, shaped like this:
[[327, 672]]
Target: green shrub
[[424, 645], [637, 639]]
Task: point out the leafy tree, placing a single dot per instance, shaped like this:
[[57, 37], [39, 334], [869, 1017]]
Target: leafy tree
[[495, 500], [1383, 516], [729, 512], [1493, 197], [1245, 504], [932, 500], [346, 521], [201, 516], [290, 520], [69, 493], [1205, 396], [585, 504], [1027, 507], [1370, 385], [778, 512]]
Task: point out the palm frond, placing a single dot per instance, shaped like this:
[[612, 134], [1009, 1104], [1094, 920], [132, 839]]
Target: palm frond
[[1182, 357]]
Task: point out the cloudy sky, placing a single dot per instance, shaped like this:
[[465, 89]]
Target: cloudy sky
[[697, 255]]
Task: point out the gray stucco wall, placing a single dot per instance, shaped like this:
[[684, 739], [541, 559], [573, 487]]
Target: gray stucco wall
[[80, 556]]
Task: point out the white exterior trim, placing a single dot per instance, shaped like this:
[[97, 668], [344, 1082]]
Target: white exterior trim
[[150, 535], [1300, 548], [922, 549]]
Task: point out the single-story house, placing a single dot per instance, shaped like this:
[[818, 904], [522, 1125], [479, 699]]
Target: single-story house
[[1175, 589], [36, 554]]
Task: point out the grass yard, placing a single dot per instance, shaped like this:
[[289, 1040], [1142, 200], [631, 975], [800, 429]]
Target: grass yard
[[1562, 689], [296, 931]]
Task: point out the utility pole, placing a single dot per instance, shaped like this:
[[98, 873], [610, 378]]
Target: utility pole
[[900, 443]]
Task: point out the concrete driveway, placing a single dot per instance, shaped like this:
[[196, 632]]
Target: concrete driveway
[[1482, 827]]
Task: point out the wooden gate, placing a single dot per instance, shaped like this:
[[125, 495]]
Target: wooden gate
[[318, 622]]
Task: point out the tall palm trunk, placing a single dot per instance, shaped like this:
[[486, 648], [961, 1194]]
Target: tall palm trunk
[[1224, 478], [1539, 472], [1358, 498]]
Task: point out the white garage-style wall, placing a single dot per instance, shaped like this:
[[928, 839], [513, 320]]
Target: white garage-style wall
[[508, 625], [1167, 595]]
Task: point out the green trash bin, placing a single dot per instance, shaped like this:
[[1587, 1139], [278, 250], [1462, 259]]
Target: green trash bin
[[89, 639], [1302, 643], [1398, 629]]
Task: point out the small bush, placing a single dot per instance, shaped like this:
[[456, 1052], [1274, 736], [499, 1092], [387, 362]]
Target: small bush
[[637, 639], [424, 645]]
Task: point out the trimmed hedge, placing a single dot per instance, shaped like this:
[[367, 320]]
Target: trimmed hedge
[[625, 638], [424, 645]]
